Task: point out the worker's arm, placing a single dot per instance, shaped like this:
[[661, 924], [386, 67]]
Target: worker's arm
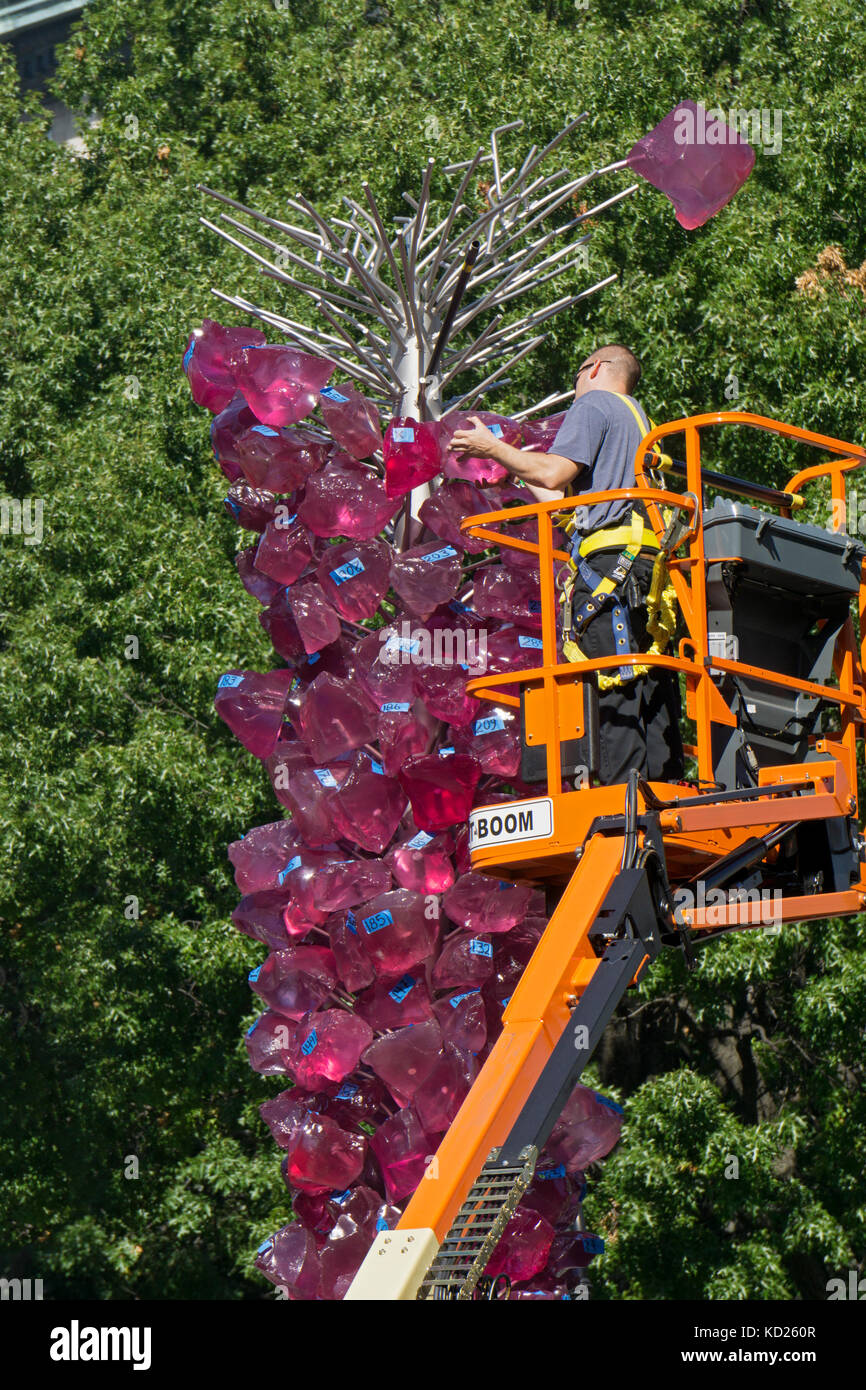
[[540, 471]]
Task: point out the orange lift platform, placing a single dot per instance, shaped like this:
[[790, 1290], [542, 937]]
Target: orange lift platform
[[774, 685]]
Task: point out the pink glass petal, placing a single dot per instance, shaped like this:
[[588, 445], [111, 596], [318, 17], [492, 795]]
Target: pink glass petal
[[279, 460], [335, 717], [261, 855], [327, 1046], [493, 738], [317, 622], [412, 455], [255, 583], [269, 1043], [396, 1003], [352, 420], [346, 499], [441, 790], [291, 1261], [426, 576], [210, 360], [397, 930], [368, 806], [354, 577], [464, 962], [285, 550], [443, 512], [696, 159], [482, 904], [402, 1147], [252, 706], [442, 1092], [296, 980], [523, 1248], [281, 385], [250, 507], [423, 863]]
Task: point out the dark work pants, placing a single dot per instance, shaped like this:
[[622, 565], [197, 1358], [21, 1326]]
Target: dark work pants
[[639, 720]]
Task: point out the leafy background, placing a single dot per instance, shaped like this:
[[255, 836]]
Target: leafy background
[[122, 1036]]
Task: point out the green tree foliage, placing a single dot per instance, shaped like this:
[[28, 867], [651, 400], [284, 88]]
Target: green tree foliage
[[121, 1034]]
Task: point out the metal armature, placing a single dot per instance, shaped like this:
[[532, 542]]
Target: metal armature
[[405, 314]]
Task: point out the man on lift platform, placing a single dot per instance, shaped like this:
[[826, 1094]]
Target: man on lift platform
[[594, 451]]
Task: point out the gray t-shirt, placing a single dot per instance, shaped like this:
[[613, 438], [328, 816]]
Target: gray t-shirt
[[600, 432]]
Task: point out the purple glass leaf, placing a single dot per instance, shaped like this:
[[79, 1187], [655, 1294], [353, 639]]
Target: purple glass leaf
[[426, 576], [422, 863], [442, 1092], [493, 738], [512, 595], [326, 1046], [296, 980], [696, 159], [397, 930], [354, 577], [354, 966], [335, 717], [405, 1058], [308, 792], [523, 1247], [317, 622], [514, 649], [321, 1157], [464, 962], [404, 730], [443, 512], [346, 499], [252, 706], [412, 455], [352, 420], [255, 583], [384, 667], [281, 385], [279, 460], [291, 1261], [481, 904], [368, 806], [440, 789], [347, 883], [261, 856], [285, 550], [396, 1003], [463, 1019], [224, 431], [210, 361], [250, 507], [587, 1130], [402, 1147], [260, 916], [269, 1043], [476, 470]]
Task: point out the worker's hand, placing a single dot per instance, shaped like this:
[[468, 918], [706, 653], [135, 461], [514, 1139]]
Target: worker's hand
[[479, 442]]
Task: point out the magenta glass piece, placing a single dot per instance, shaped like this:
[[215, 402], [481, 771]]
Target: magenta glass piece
[[476, 470], [426, 576], [252, 705], [383, 662], [308, 792], [572, 1250], [514, 649], [250, 507], [464, 962], [404, 729], [253, 580], [296, 980], [261, 855], [696, 159], [210, 359], [396, 930], [341, 1257], [442, 1092], [354, 577], [354, 966], [587, 1129], [346, 499], [493, 738], [509, 594], [352, 420], [281, 385], [279, 460], [443, 512], [278, 621], [283, 1112], [443, 691], [299, 921], [359, 1101], [288, 757], [396, 1003], [335, 716], [368, 806], [322, 1157], [540, 434], [405, 1058], [291, 1261], [224, 431], [423, 863], [317, 622], [463, 1019], [269, 1043], [412, 455], [523, 1248], [326, 1046], [260, 916], [402, 1147], [285, 550], [554, 1193], [441, 789], [482, 904], [346, 883]]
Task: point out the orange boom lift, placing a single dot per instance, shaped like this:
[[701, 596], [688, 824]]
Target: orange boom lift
[[774, 685]]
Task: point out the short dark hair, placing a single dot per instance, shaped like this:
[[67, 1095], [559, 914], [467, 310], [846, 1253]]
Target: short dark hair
[[628, 362]]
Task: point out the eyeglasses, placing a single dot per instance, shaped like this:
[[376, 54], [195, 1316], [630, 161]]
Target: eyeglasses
[[596, 363]]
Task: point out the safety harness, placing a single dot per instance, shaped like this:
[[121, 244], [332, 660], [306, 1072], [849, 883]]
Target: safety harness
[[607, 592]]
